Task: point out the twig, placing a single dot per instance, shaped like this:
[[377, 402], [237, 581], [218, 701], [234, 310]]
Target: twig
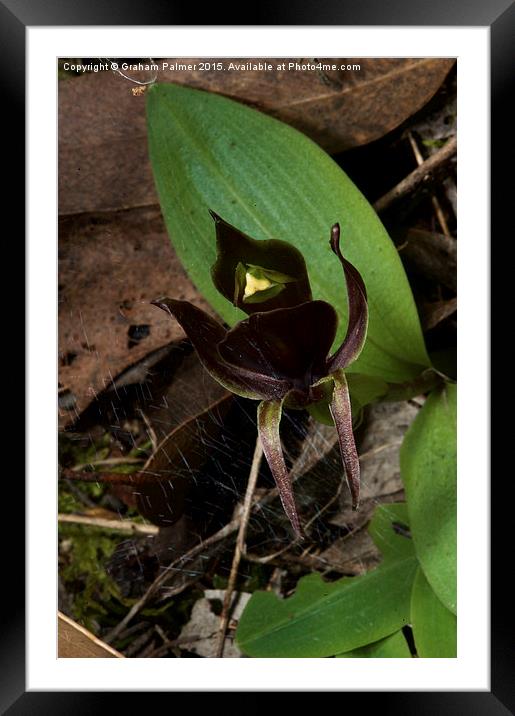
[[131, 479], [240, 545], [150, 431], [418, 176], [436, 204], [109, 461], [103, 523]]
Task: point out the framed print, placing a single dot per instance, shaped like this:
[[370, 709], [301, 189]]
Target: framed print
[[263, 459]]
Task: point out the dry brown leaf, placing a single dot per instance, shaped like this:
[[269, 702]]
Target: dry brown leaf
[[170, 472], [110, 268], [76, 642], [430, 254], [103, 159], [168, 477], [189, 391], [437, 311]]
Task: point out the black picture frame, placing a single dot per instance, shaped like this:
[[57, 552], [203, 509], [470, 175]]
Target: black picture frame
[[15, 17]]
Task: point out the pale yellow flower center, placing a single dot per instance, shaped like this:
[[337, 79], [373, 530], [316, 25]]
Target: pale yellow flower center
[[255, 284]]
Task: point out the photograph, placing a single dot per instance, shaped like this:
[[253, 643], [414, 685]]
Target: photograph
[[243, 436], [257, 357]]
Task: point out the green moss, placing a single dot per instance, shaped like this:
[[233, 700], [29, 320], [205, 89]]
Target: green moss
[[83, 554], [80, 450], [434, 143]]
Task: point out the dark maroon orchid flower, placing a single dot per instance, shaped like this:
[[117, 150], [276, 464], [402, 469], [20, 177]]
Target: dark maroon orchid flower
[[279, 355]]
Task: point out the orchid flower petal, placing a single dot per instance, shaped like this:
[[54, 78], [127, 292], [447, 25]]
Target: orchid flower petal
[[341, 412], [287, 343], [269, 418], [205, 334], [358, 311], [278, 261]]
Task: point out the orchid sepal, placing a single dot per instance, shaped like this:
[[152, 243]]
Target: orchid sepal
[[269, 419], [357, 325], [206, 334], [340, 409], [278, 261]]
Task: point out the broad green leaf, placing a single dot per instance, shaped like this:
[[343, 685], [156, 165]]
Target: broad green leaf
[[428, 469], [322, 619], [434, 626], [391, 647], [271, 181]]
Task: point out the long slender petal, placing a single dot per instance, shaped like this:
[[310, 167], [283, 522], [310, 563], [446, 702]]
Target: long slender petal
[[341, 411], [269, 418], [358, 310], [205, 333]]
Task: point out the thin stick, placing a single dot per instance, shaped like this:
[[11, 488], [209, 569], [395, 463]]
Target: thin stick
[[417, 177], [150, 430], [109, 461], [119, 525], [240, 545], [436, 204]]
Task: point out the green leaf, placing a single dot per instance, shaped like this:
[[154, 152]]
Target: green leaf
[[363, 389], [271, 181], [428, 469], [392, 647], [322, 619], [434, 626]]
